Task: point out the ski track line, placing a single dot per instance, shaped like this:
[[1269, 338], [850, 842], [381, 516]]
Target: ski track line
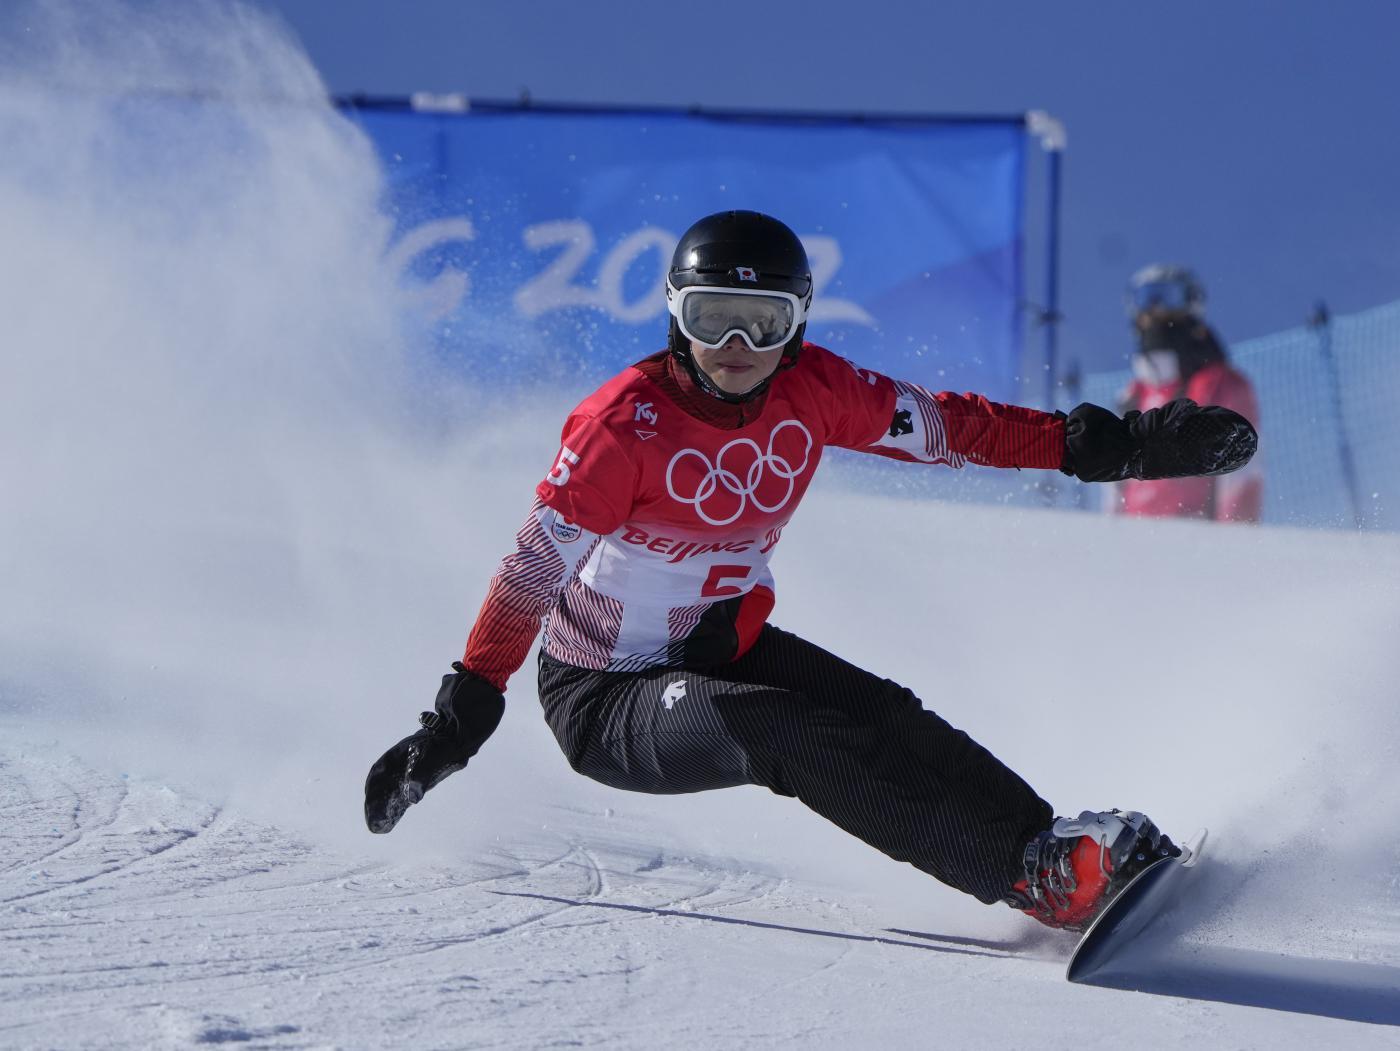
[[228, 843], [183, 837], [687, 904], [226, 886], [88, 835], [427, 946], [757, 887], [78, 832], [25, 807], [223, 885], [598, 880], [683, 903], [250, 971]]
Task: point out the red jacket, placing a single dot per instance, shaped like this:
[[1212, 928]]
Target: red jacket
[[649, 540], [1236, 497]]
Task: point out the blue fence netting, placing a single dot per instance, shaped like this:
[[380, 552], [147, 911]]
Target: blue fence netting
[[1329, 437]]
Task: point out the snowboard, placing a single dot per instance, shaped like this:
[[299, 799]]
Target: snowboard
[[1135, 907]]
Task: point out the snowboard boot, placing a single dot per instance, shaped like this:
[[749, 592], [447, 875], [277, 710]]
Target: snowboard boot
[[1077, 867]]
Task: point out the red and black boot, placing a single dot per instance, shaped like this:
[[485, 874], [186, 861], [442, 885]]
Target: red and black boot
[[1077, 867]]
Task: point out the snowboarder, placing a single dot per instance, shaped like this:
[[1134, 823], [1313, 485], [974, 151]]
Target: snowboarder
[[646, 552]]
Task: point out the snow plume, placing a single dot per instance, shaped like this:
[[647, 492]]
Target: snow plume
[[235, 509]]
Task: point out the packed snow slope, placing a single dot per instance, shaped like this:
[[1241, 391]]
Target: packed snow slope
[[184, 861], [247, 523]]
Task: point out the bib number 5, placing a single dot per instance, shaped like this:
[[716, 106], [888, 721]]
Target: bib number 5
[[560, 474], [715, 586]]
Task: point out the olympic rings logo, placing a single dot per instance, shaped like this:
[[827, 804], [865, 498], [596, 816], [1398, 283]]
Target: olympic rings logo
[[724, 474]]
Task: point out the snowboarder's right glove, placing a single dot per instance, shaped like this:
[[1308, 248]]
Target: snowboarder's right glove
[[1178, 440], [467, 711]]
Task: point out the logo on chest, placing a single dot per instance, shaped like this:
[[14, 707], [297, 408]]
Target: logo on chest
[[742, 473]]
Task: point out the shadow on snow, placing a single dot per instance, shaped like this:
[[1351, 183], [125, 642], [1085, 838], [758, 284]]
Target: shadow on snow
[[1358, 992], [958, 946]]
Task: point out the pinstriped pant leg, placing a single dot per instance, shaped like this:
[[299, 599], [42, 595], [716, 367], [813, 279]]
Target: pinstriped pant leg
[[859, 750], [652, 731], [863, 752]]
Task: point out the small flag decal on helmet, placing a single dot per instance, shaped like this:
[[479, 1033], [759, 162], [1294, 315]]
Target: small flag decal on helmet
[[746, 273]]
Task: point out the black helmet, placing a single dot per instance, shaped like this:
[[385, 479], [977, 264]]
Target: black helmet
[[752, 254], [741, 250]]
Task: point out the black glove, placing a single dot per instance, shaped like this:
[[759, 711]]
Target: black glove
[[1178, 440], [467, 711]]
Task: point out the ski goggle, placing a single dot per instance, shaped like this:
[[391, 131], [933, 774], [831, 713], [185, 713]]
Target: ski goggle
[[764, 320], [1161, 295]]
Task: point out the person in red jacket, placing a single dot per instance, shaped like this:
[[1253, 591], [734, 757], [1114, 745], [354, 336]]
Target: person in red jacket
[[1179, 356], [645, 559]]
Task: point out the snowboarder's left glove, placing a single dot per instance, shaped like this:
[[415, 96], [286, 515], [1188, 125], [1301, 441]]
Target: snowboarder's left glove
[[467, 711], [1178, 440]]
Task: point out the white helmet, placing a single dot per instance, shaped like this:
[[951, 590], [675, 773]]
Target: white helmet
[[1166, 286]]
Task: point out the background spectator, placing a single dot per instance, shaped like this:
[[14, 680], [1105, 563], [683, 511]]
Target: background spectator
[[1178, 355]]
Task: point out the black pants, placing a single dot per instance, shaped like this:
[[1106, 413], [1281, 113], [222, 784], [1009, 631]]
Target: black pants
[[859, 750]]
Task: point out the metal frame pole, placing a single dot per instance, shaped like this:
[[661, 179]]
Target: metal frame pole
[[1052, 282], [1053, 140], [1321, 323]]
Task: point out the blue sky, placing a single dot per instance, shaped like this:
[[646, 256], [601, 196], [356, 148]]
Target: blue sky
[[1258, 142]]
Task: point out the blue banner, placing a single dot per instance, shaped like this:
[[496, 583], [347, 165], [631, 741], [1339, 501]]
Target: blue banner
[[538, 241]]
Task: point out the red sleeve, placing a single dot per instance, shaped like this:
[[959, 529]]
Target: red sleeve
[[997, 435], [593, 482], [875, 414], [953, 429], [586, 494], [548, 551]]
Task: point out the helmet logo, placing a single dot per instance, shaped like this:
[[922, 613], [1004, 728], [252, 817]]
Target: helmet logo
[[746, 273]]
